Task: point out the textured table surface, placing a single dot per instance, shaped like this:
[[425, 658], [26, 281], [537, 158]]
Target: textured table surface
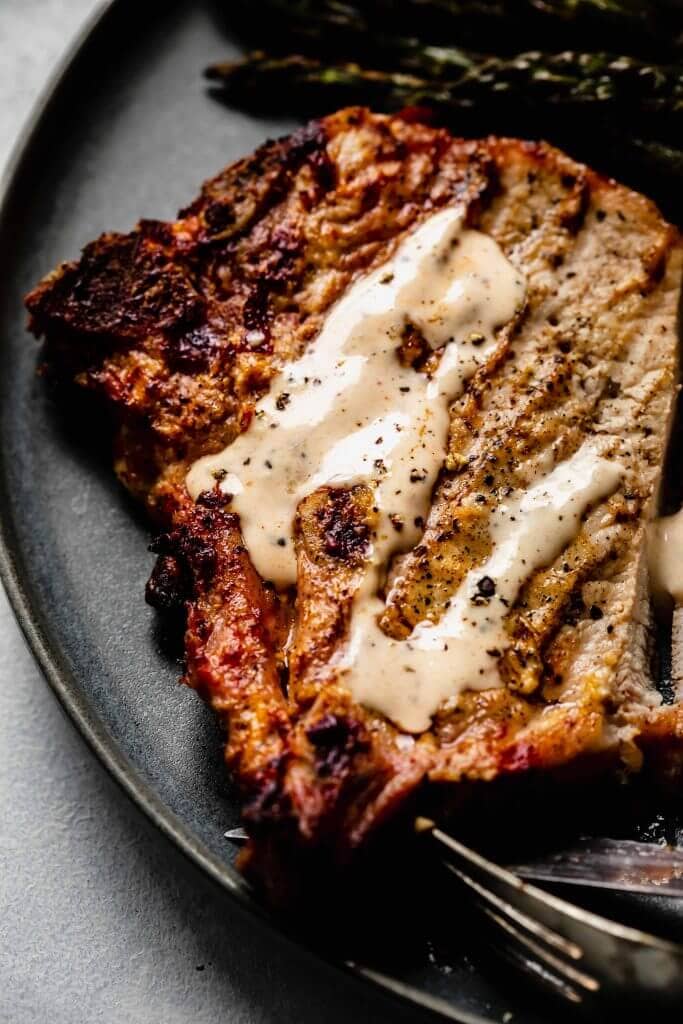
[[100, 918]]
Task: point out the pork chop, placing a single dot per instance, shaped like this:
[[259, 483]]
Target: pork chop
[[179, 327]]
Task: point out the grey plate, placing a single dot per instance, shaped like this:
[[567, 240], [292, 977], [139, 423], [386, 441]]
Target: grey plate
[[127, 130]]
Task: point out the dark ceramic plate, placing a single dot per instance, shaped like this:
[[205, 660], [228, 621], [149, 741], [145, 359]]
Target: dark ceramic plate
[[127, 130]]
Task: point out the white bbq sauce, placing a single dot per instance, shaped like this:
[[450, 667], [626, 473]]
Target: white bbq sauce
[[409, 679], [348, 412], [666, 556]]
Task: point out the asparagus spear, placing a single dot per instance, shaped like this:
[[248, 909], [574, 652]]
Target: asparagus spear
[[348, 28], [650, 95], [296, 81], [333, 29]]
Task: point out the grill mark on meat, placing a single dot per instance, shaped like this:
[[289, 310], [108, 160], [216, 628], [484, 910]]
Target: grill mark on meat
[[180, 327]]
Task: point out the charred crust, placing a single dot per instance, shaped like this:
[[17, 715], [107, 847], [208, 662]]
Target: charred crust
[[267, 801], [195, 554], [345, 535], [215, 499], [201, 557], [218, 216], [282, 265], [168, 587], [336, 739], [309, 143], [122, 287], [257, 316], [194, 350], [232, 202], [158, 231]]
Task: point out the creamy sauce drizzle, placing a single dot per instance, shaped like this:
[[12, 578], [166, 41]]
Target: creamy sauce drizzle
[[408, 679], [349, 412], [666, 556]]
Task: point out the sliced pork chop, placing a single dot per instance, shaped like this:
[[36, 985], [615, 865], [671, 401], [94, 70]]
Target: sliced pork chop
[[179, 327]]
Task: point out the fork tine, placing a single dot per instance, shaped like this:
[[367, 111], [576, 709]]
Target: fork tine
[[547, 935], [472, 857], [568, 971], [538, 971], [618, 960], [541, 931], [529, 954]]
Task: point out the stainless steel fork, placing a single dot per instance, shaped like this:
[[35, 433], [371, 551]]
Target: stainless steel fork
[[578, 954]]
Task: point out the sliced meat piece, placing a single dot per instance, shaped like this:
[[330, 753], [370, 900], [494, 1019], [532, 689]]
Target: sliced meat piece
[[179, 327]]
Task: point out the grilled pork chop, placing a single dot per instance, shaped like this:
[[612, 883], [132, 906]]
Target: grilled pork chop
[[179, 327]]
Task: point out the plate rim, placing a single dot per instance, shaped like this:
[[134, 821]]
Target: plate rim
[[62, 680]]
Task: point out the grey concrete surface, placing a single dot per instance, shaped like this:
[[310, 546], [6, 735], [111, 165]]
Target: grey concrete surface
[[100, 918]]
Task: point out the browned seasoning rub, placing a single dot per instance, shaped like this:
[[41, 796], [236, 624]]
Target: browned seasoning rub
[[179, 326]]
